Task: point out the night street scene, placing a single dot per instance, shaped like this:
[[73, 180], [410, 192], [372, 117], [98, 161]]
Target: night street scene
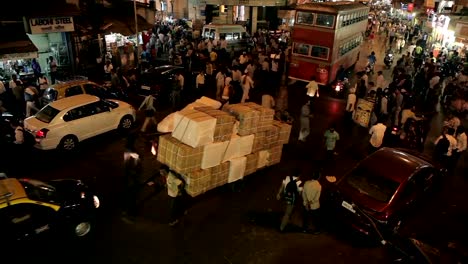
[[173, 131]]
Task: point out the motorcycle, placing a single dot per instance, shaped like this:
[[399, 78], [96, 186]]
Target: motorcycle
[[339, 88], [370, 68], [411, 136], [388, 60]]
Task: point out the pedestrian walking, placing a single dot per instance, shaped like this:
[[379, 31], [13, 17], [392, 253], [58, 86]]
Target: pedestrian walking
[[312, 88], [247, 84], [290, 191], [331, 137], [220, 83], [53, 69], [305, 122], [177, 87], [148, 106], [200, 83], [350, 105], [175, 189], [377, 133], [108, 67], [445, 146], [311, 201], [132, 174]]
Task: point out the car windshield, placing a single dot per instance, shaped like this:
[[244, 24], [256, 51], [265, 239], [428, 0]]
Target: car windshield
[[46, 114], [39, 191], [111, 104], [371, 184]]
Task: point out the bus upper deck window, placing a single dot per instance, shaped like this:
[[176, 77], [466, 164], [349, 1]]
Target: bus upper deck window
[[300, 48], [228, 36], [305, 18]]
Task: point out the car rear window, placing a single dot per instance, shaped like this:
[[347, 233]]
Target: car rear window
[[46, 114], [371, 184]]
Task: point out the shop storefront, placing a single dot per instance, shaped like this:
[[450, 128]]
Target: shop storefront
[[120, 49], [52, 37], [120, 43], [16, 53]]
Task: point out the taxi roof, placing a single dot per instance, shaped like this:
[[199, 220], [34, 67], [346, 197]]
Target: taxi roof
[[69, 83], [72, 101], [11, 189]]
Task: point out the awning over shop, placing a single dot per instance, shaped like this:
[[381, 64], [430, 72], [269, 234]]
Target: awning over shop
[[16, 44], [124, 25]]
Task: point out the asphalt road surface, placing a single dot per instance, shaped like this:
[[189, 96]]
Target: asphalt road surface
[[223, 226]]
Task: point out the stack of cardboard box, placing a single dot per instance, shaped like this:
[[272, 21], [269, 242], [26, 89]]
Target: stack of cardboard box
[[210, 147]]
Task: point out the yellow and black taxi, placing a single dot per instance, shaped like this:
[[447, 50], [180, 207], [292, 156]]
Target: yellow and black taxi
[[31, 208], [75, 87]]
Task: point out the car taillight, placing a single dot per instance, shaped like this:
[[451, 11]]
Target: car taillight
[[42, 133]]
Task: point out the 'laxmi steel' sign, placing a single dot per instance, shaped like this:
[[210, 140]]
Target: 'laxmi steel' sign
[[51, 24]]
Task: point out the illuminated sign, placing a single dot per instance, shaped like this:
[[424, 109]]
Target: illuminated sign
[[51, 24]]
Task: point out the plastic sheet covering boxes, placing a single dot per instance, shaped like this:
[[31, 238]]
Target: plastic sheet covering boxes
[[206, 150]]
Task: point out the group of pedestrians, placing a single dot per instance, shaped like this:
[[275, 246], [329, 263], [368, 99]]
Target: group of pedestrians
[[302, 189], [163, 179]]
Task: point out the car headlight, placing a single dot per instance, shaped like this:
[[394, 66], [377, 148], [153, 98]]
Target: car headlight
[[96, 201]]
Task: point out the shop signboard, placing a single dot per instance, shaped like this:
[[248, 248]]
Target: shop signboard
[[41, 25], [18, 56]]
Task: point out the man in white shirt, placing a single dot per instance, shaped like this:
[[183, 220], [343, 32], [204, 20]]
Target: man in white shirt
[[351, 102], [312, 88], [174, 190], [377, 133], [366, 79], [180, 80], [243, 58], [408, 113], [453, 142], [220, 79], [311, 201], [380, 81], [434, 81], [411, 48]]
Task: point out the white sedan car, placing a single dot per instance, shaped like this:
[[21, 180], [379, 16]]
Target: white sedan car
[[64, 123]]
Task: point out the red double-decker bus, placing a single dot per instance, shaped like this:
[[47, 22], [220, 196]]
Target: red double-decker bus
[[325, 36]]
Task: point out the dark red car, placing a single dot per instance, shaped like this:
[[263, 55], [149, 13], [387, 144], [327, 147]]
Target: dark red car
[[380, 190]]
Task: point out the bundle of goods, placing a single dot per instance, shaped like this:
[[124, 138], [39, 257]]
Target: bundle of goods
[[248, 118], [266, 116], [210, 148], [224, 123]]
